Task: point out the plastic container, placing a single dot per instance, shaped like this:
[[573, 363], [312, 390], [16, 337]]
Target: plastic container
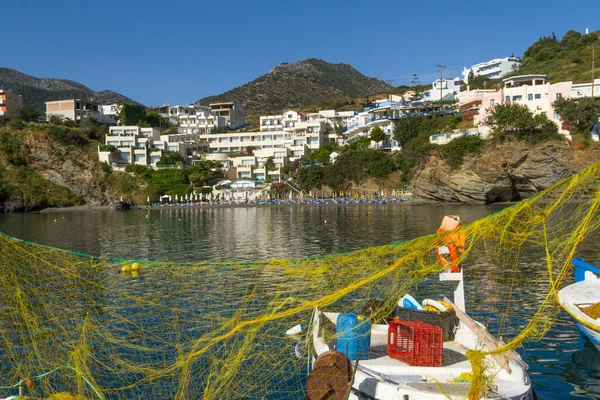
[[447, 320], [407, 301], [415, 343], [353, 334]]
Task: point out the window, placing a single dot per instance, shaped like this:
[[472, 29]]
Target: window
[[530, 97], [538, 96], [558, 96], [508, 99], [517, 98], [492, 102]]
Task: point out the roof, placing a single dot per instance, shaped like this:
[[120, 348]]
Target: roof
[[523, 77]]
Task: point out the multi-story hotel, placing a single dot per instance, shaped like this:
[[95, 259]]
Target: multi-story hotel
[[533, 91], [10, 104], [493, 69], [128, 145]]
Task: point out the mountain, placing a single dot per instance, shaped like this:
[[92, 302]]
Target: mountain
[[299, 84], [36, 91]]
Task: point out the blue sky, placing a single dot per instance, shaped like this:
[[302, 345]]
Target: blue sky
[[178, 52]]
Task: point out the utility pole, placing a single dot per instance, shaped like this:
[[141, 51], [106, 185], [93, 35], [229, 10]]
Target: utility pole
[[441, 67], [593, 66]]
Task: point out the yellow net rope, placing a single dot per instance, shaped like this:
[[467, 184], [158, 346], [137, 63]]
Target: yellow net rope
[[73, 323]]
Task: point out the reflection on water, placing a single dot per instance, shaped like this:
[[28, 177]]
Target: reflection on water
[[561, 367]]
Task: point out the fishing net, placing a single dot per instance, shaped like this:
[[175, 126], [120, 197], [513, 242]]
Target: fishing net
[[73, 323]]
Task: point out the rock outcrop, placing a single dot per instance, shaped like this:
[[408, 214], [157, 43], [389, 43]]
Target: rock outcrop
[[503, 172]]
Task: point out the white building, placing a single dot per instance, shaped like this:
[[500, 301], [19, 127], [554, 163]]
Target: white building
[[493, 69], [108, 114], [444, 89], [231, 111], [286, 121], [255, 166], [128, 145], [580, 90], [445, 138], [200, 123]]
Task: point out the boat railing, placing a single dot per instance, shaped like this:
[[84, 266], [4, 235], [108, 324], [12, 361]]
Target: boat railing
[[580, 268]]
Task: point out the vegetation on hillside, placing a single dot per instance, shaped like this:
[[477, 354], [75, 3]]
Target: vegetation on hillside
[[569, 59], [172, 181]]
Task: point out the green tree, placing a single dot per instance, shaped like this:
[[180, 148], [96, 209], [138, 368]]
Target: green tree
[[29, 114], [170, 158], [173, 130], [132, 114], [578, 114], [153, 119], [322, 155], [517, 121], [511, 119], [270, 164], [361, 143], [377, 134], [308, 178], [407, 128], [203, 171]]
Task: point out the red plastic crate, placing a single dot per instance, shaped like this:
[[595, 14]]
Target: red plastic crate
[[415, 343]]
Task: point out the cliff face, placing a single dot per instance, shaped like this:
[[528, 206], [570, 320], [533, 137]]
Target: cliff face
[[503, 172], [50, 174], [70, 167]]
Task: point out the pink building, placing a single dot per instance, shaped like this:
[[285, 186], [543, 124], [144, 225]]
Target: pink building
[[533, 91]]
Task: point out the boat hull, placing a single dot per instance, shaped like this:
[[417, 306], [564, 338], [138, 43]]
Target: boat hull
[[592, 335], [584, 292]]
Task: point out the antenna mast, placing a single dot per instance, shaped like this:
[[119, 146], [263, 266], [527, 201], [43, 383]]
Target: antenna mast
[[441, 67]]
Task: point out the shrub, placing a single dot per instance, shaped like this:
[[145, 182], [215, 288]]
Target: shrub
[[105, 167], [55, 119], [140, 170], [170, 158], [127, 184], [66, 135], [107, 147], [10, 145], [16, 123], [454, 152]]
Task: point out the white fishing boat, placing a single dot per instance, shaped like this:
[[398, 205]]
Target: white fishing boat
[[578, 297], [388, 366]]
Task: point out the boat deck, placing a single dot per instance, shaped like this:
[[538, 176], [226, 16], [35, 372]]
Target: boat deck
[[582, 293]]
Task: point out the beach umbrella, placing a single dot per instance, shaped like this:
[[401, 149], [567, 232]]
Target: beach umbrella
[[148, 199], [121, 198], [394, 193]]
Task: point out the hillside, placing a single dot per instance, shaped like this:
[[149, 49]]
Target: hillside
[[36, 91], [569, 59], [300, 84]]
